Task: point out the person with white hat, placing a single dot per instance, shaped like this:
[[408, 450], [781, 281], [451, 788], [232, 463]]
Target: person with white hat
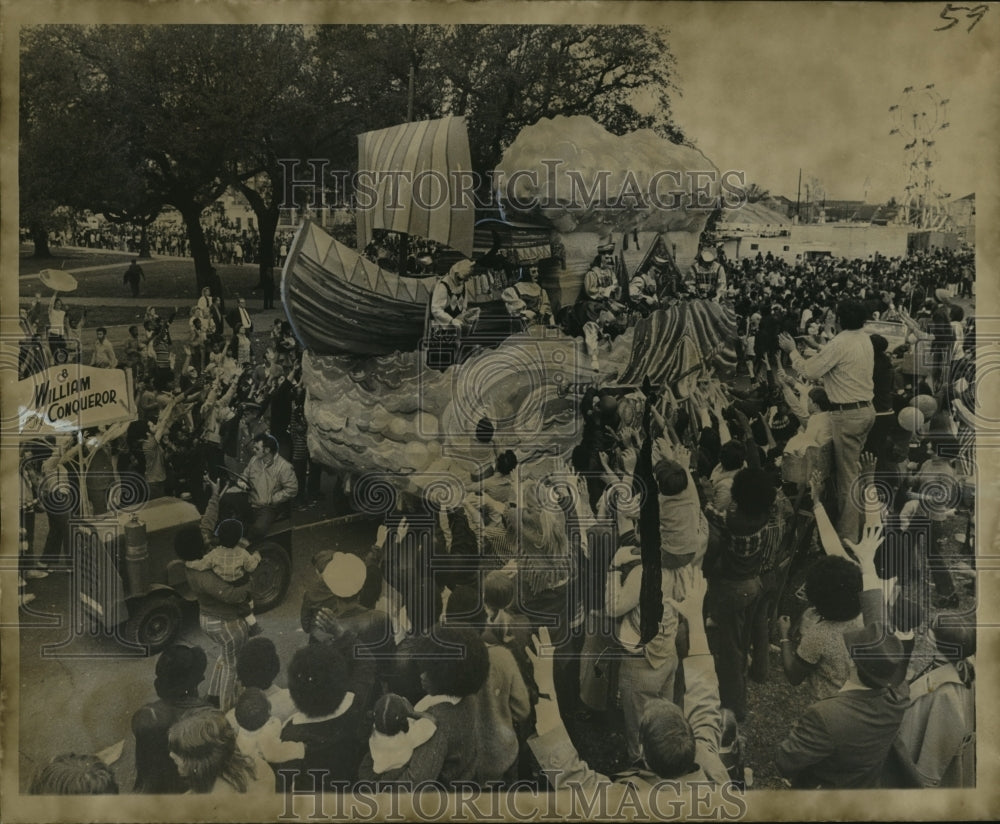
[[707, 275], [333, 606], [450, 315]]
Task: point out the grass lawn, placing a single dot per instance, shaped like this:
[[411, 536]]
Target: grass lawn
[[66, 258], [165, 278], [124, 316]]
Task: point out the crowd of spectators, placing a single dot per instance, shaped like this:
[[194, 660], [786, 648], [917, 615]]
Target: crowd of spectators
[[228, 243], [831, 460]]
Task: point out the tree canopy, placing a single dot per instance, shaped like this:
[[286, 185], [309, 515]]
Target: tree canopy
[[123, 120]]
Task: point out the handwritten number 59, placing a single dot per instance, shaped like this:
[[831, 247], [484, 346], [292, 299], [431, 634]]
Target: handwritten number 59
[[975, 13]]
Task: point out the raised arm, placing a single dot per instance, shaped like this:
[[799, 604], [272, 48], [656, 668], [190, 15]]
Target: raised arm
[[701, 690], [551, 744]]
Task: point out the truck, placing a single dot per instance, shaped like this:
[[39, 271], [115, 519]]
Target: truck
[[131, 583]]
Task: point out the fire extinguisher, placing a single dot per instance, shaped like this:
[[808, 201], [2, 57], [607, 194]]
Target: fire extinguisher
[[136, 556]]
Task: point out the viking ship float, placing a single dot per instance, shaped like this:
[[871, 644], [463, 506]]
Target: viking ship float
[[340, 301], [372, 404]]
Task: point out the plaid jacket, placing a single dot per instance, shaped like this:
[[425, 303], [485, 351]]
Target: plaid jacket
[[746, 555]]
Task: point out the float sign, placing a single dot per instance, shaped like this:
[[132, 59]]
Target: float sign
[[65, 398]]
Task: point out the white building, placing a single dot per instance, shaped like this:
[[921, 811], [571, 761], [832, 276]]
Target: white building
[[847, 240]]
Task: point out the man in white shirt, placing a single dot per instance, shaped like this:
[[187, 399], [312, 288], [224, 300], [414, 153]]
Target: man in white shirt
[[846, 366], [104, 352], [243, 316]]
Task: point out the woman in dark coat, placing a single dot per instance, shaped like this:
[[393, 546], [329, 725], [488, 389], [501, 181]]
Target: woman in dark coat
[[179, 671], [330, 721]]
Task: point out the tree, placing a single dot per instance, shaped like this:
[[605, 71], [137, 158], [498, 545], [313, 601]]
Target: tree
[[47, 146], [755, 193], [173, 115], [501, 78], [169, 114], [622, 76], [289, 122]]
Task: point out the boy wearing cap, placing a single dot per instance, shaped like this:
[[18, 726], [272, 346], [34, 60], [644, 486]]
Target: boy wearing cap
[[337, 612], [231, 561]]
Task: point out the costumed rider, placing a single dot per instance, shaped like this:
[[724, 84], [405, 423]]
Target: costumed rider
[[450, 315], [598, 311], [646, 288], [707, 277], [527, 300]]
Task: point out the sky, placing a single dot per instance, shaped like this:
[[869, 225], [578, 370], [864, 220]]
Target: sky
[[772, 88]]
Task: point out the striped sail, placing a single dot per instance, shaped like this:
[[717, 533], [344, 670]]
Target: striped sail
[[426, 199]]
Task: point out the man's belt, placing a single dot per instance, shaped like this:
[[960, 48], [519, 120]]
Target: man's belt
[[840, 407]]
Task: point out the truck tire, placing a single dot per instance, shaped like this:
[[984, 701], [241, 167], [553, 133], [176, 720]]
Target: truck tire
[[155, 621], [269, 582]]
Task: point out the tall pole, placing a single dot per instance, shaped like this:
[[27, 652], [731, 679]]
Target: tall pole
[[798, 195], [404, 239], [409, 94]]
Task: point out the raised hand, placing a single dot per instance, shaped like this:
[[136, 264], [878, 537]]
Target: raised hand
[[691, 607], [866, 548], [817, 483], [786, 342], [629, 459], [866, 463], [683, 456], [540, 655]]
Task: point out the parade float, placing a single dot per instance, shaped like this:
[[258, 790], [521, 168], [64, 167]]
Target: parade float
[[565, 186]]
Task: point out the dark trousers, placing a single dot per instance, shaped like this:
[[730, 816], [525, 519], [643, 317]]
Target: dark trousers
[[263, 518], [937, 563], [309, 475], [731, 605], [57, 542], [26, 558], [97, 493], [879, 442], [260, 518], [760, 632]]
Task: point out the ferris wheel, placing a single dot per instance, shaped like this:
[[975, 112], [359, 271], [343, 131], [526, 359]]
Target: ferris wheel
[[918, 118]]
